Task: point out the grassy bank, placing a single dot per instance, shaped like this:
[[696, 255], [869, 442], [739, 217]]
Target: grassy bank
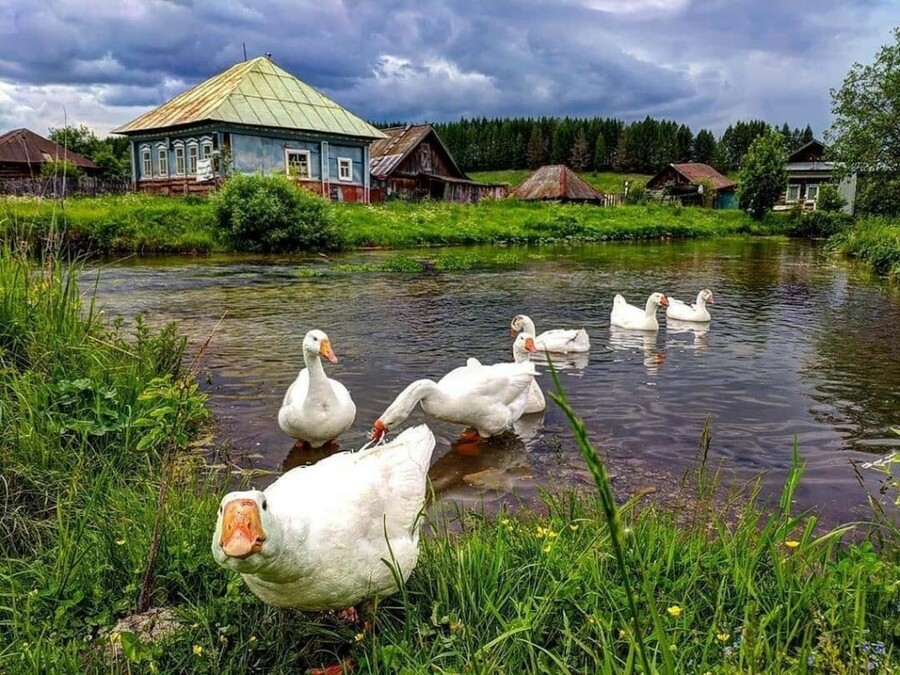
[[96, 421], [605, 181], [141, 223], [874, 240]]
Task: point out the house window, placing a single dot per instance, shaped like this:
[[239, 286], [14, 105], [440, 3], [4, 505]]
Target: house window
[[162, 160], [793, 193], [345, 168], [147, 163], [192, 158], [812, 192], [179, 160], [205, 149], [296, 163]]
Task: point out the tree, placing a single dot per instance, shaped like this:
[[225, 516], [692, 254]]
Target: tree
[[79, 139], [865, 133], [536, 147], [763, 174], [704, 149], [581, 152], [600, 153]]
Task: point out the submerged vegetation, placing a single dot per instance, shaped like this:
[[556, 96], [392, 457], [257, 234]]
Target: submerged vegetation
[[97, 420]]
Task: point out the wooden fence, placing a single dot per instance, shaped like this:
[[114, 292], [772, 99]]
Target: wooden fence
[[57, 186]]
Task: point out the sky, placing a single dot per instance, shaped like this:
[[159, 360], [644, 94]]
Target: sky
[[706, 63]]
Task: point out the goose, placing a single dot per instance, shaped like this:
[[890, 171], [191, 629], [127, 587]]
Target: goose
[[628, 316], [319, 537], [560, 340], [316, 409], [696, 312], [486, 398], [523, 345]]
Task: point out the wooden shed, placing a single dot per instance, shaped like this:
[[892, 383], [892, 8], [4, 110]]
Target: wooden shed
[[413, 162], [23, 154], [558, 182], [254, 117], [686, 182]]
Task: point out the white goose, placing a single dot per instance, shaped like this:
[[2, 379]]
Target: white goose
[[487, 398], [523, 345], [316, 409], [319, 536], [628, 316], [696, 312], [560, 340]]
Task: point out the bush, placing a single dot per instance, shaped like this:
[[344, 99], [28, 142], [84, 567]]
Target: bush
[[830, 199], [273, 214], [878, 196], [58, 168], [822, 223]]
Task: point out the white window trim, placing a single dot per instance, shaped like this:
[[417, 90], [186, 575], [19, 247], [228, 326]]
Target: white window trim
[[162, 153], [146, 161], [193, 150], [179, 150], [206, 148], [345, 162], [787, 197], [298, 151], [816, 187]]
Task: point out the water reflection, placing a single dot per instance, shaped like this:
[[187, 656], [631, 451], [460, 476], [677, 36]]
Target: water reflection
[[802, 349]]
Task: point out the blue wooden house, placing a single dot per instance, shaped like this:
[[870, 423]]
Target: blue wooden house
[[253, 117]]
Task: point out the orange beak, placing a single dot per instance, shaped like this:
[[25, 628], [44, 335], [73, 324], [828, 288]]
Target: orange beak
[[710, 298], [326, 351], [664, 302], [529, 345], [242, 532], [378, 431]]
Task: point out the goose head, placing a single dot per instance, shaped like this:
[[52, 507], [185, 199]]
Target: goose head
[[657, 299], [247, 535], [522, 346], [317, 343], [705, 296], [520, 323]]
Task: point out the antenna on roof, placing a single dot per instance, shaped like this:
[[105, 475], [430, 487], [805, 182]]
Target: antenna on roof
[[244, 45], [269, 55]]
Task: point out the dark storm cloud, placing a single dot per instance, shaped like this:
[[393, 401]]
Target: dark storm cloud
[[704, 63]]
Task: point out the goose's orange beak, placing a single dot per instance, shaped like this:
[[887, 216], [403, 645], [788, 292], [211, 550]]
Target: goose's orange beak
[[242, 531], [529, 345], [710, 298], [326, 351], [378, 431], [664, 302]]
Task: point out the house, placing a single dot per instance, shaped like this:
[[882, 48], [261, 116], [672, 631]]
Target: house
[[807, 172], [23, 154], [253, 117], [412, 161], [687, 182], [558, 182]]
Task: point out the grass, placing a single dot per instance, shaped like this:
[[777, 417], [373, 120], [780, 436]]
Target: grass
[[605, 181], [95, 421], [874, 240]]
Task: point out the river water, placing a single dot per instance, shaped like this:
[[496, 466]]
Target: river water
[[800, 347]]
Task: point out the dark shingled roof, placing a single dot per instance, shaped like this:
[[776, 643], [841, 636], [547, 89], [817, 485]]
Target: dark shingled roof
[[694, 171], [23, 146], [556, 182], [386, 154]]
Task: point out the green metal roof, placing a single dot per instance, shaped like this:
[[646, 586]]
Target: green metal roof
[[258, 93]]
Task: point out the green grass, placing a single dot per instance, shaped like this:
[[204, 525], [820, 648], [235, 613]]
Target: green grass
[[95, 421], [605, 181], [874, 240]]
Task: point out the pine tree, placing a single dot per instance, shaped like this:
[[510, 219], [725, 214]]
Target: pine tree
[[704, 148], [580, 158], [600, 160], [535, 152]]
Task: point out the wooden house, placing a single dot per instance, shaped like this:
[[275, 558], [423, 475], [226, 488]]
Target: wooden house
[[413, 162], [558, 182], [253, 117], [24, 153], [686, 183], [807, 172]]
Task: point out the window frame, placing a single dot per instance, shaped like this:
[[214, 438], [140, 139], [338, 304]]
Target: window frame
[[206, 148], [162, 158], [288, 152], [180, 159], [146, 162], [343, 162], [787, 196], [815, 187], [193, 156]]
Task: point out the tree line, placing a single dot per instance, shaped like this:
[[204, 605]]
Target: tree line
[[602, 144]]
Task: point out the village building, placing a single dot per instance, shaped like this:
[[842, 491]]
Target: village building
[[688, 183], [24, 154], [558, 182], [254, 117], [413, 162], [807, 172]]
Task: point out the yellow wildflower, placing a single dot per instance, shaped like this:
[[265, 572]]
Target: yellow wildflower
[[622, 634], [573, 527], [198, 650], [120, 542], [547, 548], [252, 638], [722, 637], [591, 619], [551, 534], [359, 637], [792, 543], [674, 610], [504, 521]]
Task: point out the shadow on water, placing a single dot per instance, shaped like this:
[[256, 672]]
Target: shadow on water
[[797, 347]]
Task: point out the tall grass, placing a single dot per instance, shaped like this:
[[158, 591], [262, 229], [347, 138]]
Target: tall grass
[[874, 240]]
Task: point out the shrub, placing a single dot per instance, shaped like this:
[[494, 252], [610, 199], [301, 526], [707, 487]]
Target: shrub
[[830, 199], [878, 196], [57, 168], [822, 223], [272, 214]]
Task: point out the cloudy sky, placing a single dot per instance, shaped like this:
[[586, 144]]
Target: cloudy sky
[[703, 62]]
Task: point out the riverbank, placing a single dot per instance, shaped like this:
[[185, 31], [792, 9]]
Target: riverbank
[[151, 224], [873, 240], [94, 417]]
